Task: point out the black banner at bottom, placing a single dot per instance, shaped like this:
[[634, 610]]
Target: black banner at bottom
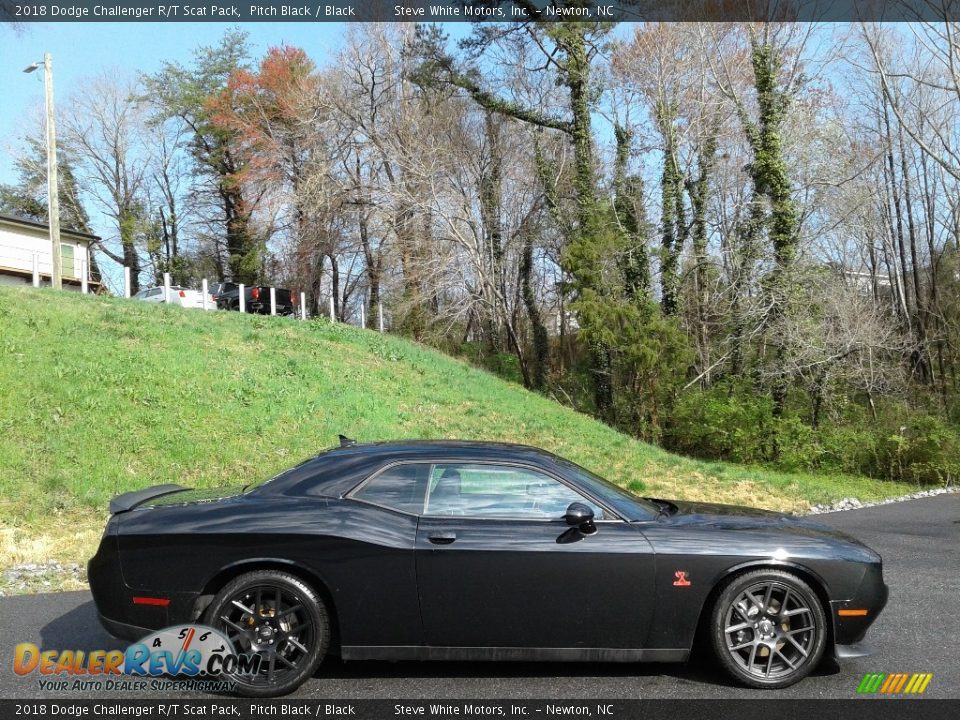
[[799, 709]]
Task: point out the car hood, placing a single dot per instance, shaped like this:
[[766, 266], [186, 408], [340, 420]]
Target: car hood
[[685, 507], [763, 522]]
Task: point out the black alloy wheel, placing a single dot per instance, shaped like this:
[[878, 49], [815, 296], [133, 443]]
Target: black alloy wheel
[[768, 629], [277, 616]]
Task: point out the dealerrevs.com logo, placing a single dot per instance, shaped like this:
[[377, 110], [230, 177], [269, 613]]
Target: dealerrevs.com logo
[[200, 654], [894, 683]]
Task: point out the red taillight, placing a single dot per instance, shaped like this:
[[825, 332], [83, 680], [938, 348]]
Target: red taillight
[[141, 600], [255, 293], [182, 294]]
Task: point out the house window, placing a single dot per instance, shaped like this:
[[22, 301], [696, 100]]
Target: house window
[[66, 261]]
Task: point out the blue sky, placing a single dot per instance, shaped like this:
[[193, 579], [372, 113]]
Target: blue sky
[[81, 50]]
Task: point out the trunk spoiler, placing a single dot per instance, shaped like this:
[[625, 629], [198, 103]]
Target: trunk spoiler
[[128, 501]]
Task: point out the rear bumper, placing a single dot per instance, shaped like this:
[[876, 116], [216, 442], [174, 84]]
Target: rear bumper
[[118, 608], [122, 630]]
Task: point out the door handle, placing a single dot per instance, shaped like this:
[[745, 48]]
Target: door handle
[[442, 538]]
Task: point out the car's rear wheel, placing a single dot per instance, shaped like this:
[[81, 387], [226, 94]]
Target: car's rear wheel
[[279, 617], [768, 629]]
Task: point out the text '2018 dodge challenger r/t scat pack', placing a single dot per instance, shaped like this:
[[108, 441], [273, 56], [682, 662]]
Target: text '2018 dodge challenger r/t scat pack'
[[452, 550]]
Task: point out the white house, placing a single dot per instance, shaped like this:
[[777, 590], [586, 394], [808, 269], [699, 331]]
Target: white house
[[25, 246]]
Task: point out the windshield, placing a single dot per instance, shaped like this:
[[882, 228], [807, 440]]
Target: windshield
[[623, 501]]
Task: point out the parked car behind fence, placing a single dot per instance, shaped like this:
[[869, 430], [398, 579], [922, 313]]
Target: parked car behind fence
[[181, 296]]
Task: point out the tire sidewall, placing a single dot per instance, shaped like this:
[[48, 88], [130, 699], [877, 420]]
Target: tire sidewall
[[718, 622], [312, 603]]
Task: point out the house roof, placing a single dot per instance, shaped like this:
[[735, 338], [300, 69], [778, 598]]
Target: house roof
[[30, 222]]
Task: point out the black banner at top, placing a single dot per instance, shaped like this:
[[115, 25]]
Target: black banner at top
[[477, 10]]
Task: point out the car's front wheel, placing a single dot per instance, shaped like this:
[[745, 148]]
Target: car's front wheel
[[768, 629], [280, 618]]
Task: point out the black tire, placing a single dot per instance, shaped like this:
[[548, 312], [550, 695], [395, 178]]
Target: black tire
[[774, 641], [278, 616]]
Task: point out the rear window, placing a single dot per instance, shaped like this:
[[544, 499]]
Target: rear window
[[400, 487]]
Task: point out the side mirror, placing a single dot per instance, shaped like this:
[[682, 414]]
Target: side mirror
[[580, 515]]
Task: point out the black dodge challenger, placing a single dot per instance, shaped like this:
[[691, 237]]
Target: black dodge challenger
[[479, 551]]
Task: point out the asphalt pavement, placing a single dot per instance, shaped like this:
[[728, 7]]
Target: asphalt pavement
[[919, 631]]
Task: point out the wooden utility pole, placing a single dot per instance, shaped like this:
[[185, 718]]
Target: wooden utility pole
[[53, 199]]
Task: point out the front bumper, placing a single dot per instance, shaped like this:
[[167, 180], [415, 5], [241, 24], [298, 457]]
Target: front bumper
[[856, 650], [870, 599]]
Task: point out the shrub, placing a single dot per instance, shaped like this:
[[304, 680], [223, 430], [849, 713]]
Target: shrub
[[901, 444]]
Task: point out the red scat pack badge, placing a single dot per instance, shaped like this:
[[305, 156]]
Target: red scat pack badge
[[681, 579]]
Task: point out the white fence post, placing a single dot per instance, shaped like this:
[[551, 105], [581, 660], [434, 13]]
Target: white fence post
[[273, 301], [166, 287], [126, 282], [243, 298], [363, 319], [204, 293], [36, 270], [380, 314], [333, 318], [83, 276], [303, 306]]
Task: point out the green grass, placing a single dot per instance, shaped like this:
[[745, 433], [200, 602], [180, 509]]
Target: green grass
[[102, 396]]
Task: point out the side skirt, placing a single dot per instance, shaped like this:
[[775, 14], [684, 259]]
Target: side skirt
[[421, 652]]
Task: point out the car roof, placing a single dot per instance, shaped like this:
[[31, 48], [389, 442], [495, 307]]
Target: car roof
[[441, 448], [339, 469]]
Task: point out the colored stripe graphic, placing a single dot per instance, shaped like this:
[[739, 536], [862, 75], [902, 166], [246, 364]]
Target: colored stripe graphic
[[871, 682], [894, 683]]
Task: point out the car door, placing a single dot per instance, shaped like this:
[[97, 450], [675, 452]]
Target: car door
[[498, 566]]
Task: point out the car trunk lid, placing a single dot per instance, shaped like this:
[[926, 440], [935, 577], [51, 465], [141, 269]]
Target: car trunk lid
[[130, 500]]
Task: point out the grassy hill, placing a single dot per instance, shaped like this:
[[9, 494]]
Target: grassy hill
[[101, 396]]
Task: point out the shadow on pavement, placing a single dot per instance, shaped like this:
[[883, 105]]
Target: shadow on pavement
[[79, 629]]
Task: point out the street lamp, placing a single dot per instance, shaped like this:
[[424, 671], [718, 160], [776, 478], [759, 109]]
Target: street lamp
[[53, 200]]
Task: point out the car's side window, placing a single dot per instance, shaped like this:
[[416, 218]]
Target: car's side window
[[483, 490], [400, 487]]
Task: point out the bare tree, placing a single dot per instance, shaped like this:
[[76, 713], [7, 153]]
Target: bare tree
[[104, 126]]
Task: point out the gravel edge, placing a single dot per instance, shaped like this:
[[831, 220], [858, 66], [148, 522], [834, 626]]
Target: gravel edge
[[852, 503]]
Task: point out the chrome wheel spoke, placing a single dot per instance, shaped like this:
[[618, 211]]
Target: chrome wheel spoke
[[766, 598], [241, 606], [797, 645], [289, 610], [785, 659], [296, 643], [244, 632]]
